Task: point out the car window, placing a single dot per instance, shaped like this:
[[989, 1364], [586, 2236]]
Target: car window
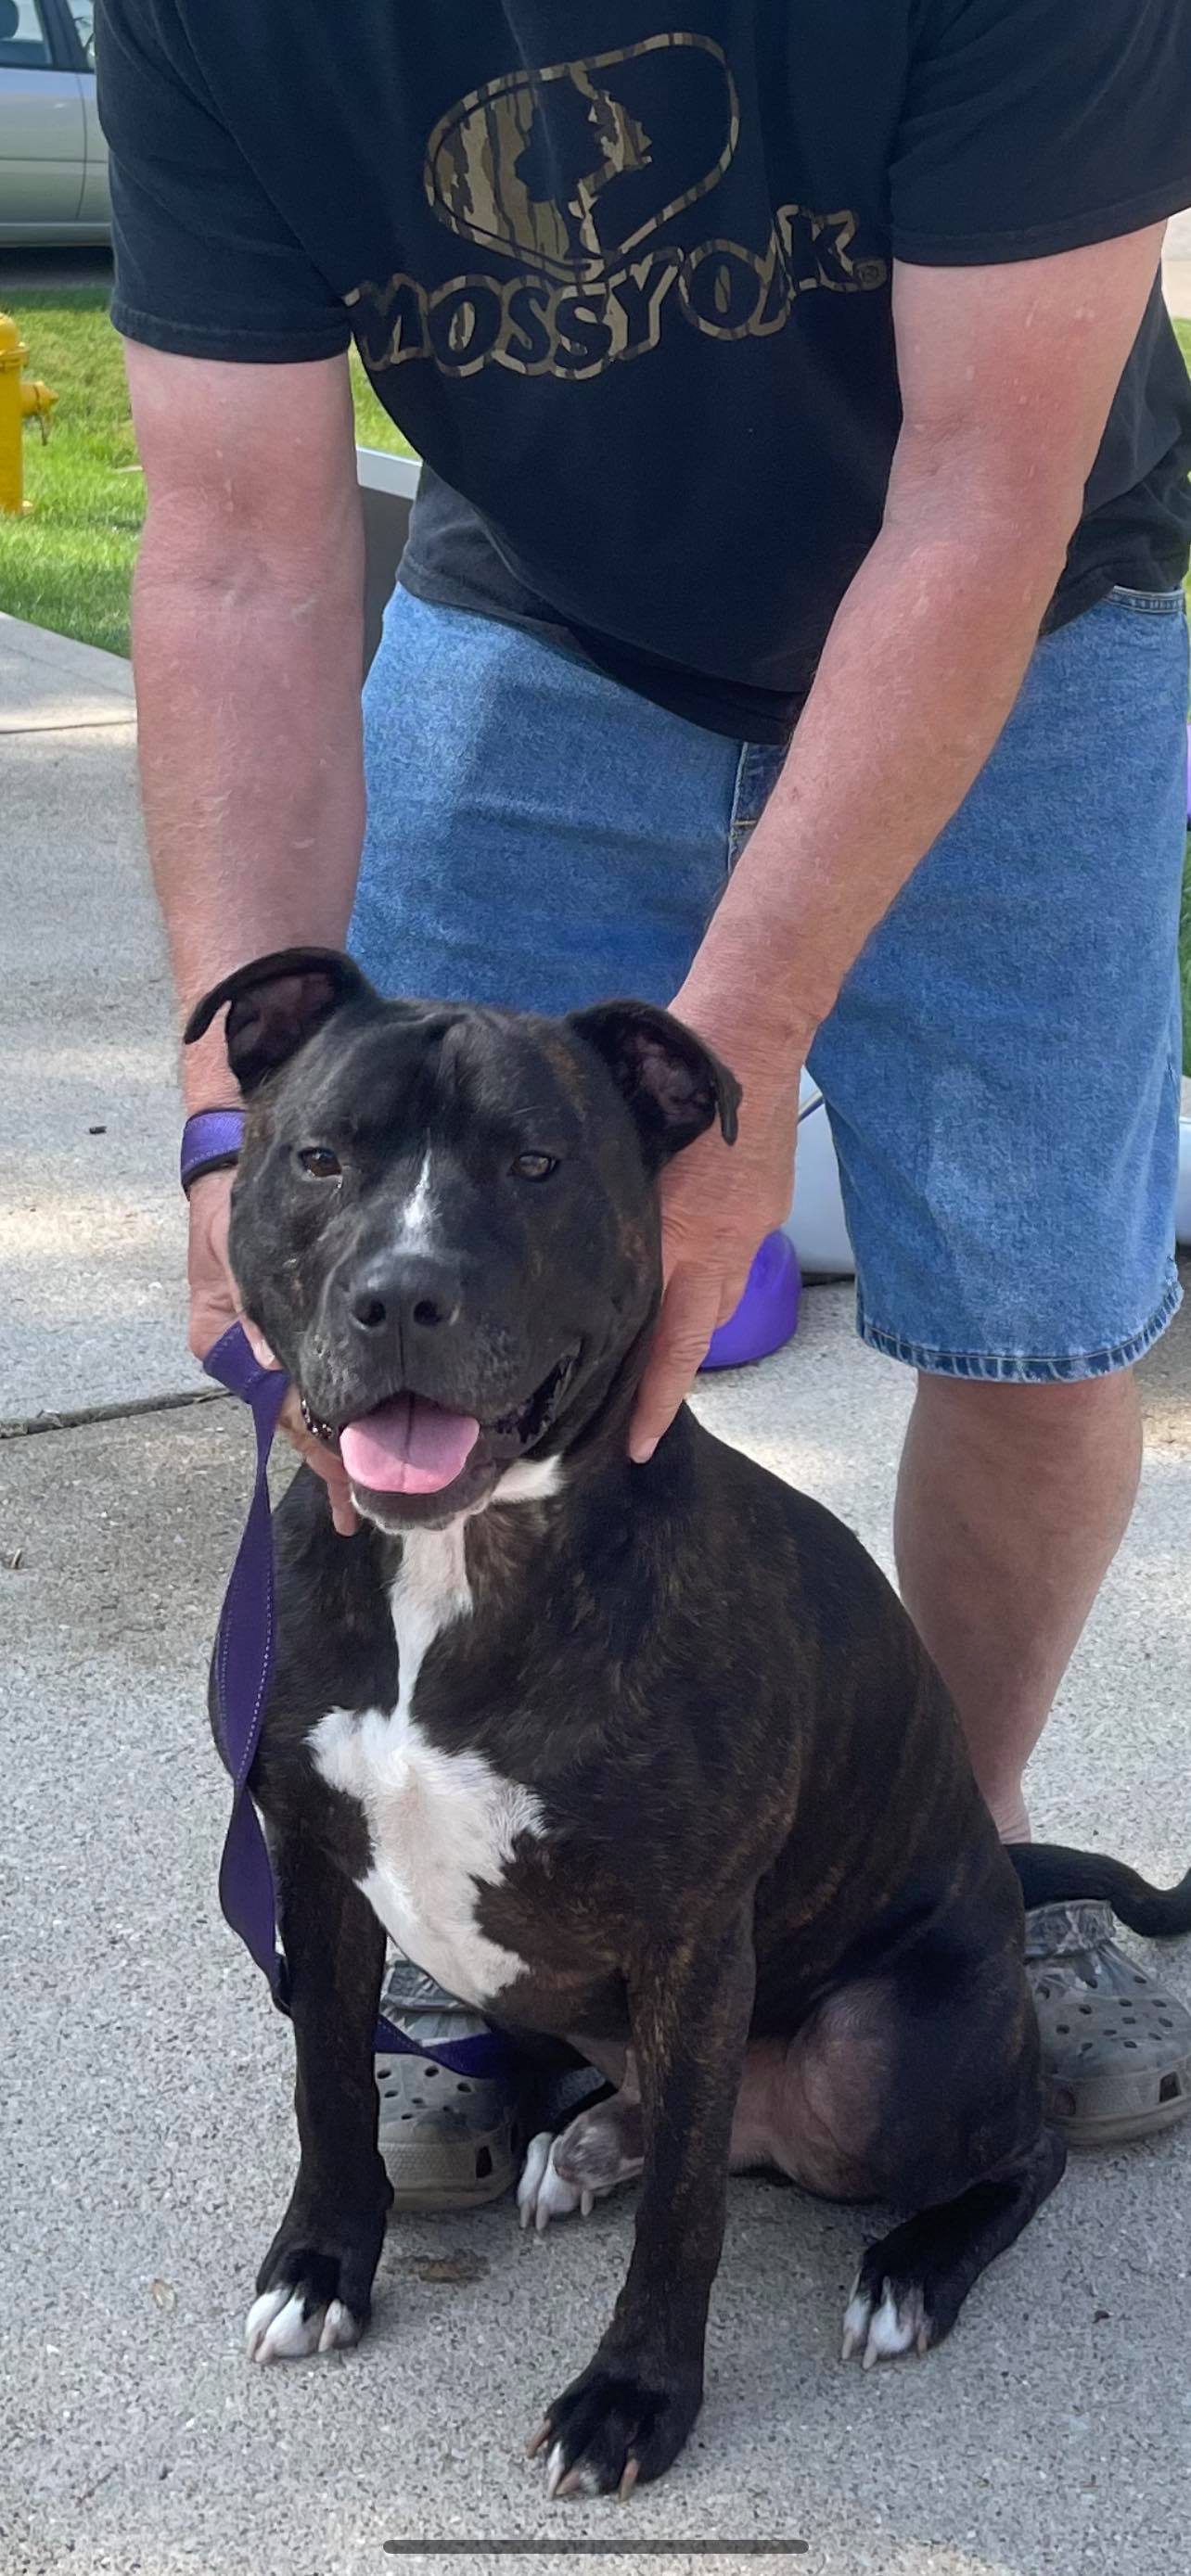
[[24, 45], [84, 19]]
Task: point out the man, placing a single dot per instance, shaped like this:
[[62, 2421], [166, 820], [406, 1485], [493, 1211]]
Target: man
[[807, 468]]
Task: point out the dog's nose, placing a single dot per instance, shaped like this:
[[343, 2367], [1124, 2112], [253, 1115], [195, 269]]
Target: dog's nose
[[411, 1289]]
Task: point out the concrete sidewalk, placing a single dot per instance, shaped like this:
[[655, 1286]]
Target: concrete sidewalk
[[146, 2130], [91, 1274]]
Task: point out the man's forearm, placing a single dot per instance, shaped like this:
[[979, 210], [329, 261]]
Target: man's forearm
[[248, 694], [920, 671]]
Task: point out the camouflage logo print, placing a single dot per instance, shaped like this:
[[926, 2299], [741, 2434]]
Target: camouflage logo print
[[524, 164], [567, 177]]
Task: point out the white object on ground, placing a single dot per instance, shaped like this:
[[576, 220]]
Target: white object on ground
[[816, 1221]]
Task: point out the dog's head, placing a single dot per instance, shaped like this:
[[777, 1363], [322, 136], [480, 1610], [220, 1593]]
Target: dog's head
[[445, 1219]]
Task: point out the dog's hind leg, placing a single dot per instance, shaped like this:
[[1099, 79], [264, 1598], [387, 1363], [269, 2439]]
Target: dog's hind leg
[[314, 2287], [912, 2284], [604, 2144], [929, 2076], [780, 2121], [919, 2083]]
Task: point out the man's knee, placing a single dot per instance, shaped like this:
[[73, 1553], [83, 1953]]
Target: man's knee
[[1050, 1415]]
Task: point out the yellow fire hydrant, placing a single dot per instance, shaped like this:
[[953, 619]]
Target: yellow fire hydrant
[[18, 403]]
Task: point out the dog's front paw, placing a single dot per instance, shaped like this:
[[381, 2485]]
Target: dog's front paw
[[293, 2319], [312, 2296], [614, 2425]]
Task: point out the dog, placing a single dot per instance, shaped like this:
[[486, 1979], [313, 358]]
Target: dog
[[646, 1758]]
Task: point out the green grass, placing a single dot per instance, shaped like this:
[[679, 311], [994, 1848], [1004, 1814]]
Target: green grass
[[69, 564]]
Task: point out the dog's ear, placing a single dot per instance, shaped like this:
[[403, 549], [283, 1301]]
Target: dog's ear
[[275, 1004], [673, 1084]]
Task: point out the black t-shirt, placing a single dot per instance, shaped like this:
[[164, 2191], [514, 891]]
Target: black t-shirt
[[626, 286]]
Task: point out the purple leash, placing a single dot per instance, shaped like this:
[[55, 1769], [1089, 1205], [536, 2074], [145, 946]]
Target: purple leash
[[243, 1670], [244, 1658]]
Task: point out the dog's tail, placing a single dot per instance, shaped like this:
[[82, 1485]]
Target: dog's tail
[[1051, 1874]]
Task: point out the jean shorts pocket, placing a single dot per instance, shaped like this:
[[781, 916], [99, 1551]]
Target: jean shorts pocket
[[1149, 603], [757, 774]]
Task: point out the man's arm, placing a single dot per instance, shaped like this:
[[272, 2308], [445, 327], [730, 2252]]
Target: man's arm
[[1007, 374], [247, 637], [247, 628]]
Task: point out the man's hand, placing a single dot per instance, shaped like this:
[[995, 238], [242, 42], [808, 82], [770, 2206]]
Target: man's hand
[[718, 1204], [215, 1306]]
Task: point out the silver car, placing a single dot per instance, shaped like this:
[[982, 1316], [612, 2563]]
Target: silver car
[[53, 159]]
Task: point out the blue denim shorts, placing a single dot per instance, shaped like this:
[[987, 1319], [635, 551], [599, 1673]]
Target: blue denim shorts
[[1002, 1067]]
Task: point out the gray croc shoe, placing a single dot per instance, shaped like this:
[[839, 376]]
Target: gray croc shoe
[[1116, 2047], [451, 2137]]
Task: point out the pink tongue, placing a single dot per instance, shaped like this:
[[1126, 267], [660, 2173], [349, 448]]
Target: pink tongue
[[408, 1447]]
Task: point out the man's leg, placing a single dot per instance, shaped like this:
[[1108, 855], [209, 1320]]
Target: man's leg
[[1011, 1505], [1002, 1074]]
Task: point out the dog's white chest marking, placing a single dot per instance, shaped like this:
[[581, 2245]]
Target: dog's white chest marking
[[443, 1825]]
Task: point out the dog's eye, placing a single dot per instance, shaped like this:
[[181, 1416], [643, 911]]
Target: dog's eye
[[535, 1167], [320, 1162]]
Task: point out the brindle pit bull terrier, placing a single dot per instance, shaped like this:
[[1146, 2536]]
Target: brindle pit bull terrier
[[650, 1758]]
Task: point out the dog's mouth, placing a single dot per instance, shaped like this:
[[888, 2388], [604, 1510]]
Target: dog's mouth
[[411, 1445]]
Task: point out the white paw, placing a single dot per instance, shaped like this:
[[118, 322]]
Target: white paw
[[580, 2482], [542, 2193], [281, 2326], [894, 2324]]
